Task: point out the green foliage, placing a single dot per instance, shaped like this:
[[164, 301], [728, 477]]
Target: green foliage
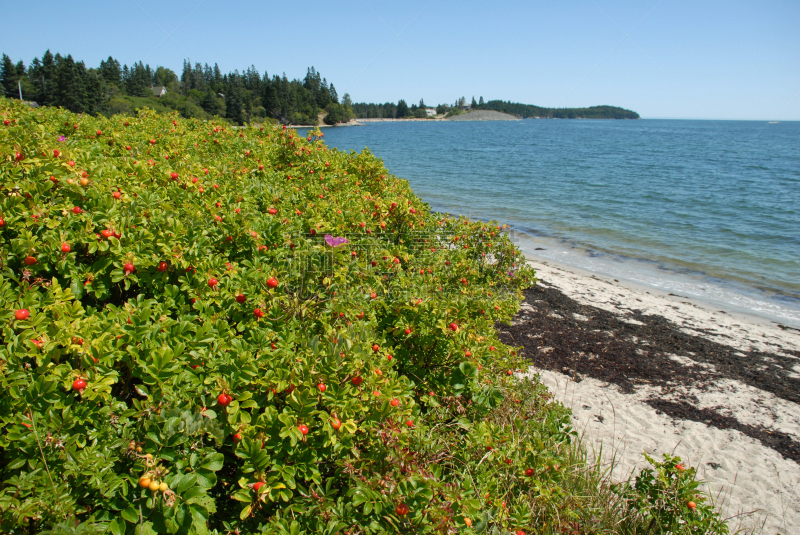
[[201, 93], [667, 499], [402, 109], [528, 110], [337, 113], [198, 335], [363, 110]]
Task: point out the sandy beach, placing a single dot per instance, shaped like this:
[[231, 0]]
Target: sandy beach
[[645, 371]]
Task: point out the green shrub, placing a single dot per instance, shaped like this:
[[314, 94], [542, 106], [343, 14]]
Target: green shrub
[[188, 327], [666, 497]]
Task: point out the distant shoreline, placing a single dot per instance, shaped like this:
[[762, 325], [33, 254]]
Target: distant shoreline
[[437, 119]]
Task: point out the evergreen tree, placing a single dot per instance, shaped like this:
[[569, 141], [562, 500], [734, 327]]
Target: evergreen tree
[[111, 72], [48, 72], [95, 96], [402, 109], [186, 77], [209, 102], [233, 105], [217, 76], [139, 81], [208, 74], [70, 90], [198, 78], [473, 104], [9, 77]]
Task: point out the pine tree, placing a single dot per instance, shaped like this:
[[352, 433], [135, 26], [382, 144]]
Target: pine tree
[[110, 71], [209, 102], [70, 91], [95, 96], [217, 76], [233, 105], [9, 77], [48, 71], [402, 109], [473, 104], [186, 77]]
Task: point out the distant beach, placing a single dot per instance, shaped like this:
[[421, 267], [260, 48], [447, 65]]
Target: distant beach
[[477, 115]]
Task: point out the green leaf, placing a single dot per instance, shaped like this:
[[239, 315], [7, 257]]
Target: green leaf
[[213, 462], [187, 481], [130, 514], [243, 495], [117, 526]]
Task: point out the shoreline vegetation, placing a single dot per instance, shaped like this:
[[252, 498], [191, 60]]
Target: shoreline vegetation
[[204, 92], [155, 325], [471, 115]]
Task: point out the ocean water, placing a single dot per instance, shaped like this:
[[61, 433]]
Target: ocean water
[[703, 209]]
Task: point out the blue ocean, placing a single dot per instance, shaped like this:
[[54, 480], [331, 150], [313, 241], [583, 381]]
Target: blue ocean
[[704, 209]]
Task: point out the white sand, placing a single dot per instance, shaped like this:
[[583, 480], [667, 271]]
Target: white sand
[[748, 479]]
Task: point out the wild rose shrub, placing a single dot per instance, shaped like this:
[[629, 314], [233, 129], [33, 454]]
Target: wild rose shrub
[[183, 351]]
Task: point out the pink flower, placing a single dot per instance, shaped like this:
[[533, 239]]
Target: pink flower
[[335, 242]]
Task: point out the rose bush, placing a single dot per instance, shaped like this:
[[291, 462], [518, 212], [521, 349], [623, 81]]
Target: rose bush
[[196, 357]]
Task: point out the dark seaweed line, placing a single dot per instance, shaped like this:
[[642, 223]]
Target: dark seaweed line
[[607, 348]]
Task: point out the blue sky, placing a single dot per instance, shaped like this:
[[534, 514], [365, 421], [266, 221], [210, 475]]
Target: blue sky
[[664, 59]]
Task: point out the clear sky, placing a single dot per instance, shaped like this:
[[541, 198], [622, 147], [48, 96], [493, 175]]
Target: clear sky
[[662, 58]]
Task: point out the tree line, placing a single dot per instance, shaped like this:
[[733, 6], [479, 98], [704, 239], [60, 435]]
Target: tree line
[[390, 110], [201, 91], [526, 111]]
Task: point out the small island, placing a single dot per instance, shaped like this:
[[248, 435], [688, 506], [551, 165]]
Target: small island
[[509, 110]]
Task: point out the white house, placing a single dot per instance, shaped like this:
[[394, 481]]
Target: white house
[[158, 91], [431, 112]]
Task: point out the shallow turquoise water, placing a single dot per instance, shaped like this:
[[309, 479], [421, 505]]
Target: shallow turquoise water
[[708, 209]]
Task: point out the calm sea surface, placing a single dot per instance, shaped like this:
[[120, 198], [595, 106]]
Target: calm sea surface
[[704, 209]]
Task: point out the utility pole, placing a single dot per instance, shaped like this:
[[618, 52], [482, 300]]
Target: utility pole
[[19, 83]]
